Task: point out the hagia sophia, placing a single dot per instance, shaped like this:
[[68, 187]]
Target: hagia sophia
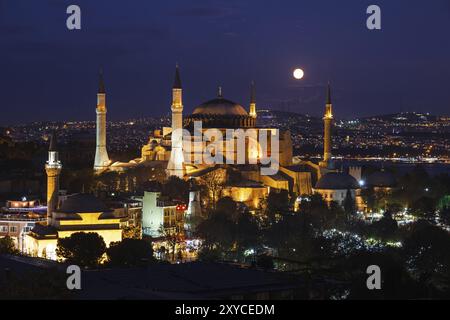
[[244, 183], [294, 175]]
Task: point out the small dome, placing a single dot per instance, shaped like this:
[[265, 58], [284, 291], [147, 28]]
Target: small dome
[[382, 179], [337, 181], [82, 203], [220, 107]]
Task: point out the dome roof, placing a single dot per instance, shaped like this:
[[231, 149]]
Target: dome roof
[[221, 107], [82, 203], [381, 179], [337, 181]]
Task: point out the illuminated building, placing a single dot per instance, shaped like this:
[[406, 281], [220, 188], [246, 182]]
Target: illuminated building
[[333, 186], [18, 217], [221, 115], [160, 214], [68, 215]]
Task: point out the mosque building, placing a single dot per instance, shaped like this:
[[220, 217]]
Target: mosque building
[[244, 181], [70, 214]]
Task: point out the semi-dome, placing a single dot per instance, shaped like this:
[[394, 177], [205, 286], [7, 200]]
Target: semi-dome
[[82, 203], [336, 181], [383, 179], [221, 107]]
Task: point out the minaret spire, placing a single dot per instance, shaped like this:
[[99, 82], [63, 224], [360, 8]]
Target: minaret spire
[[177, 80], [327, 125], [252, 111], [53, 168], [53, 143], [175, 165], [219, 92], [102, 161]]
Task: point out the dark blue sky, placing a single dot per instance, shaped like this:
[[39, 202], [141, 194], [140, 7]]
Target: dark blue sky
[[50, 73]]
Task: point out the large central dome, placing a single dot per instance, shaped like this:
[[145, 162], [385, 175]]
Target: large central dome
[[220, 107], [220, 113]]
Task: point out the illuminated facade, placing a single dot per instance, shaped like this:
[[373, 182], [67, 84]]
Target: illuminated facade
[[160, 214], [221, 115], [68, 215]]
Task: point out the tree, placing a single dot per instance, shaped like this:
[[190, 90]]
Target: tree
[[277, 203], [349, 205], [207, 254], [172, 239], [396, 283], [214, 182], [424, 207], [176, 188], [7, 245], [84, 249], [217, 231], [445, 215], [228, 206], [427, 255], [385, 228], [130, 252], [132, 232], [246, 233]]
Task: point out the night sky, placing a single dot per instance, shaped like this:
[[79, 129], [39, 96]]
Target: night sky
[[50, 73]]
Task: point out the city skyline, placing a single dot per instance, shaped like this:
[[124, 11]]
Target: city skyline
[[138, 48]]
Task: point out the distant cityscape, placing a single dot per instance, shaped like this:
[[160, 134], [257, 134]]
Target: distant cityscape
[[406, 137]]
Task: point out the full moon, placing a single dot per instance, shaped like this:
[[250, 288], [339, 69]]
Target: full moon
[[298, 74]]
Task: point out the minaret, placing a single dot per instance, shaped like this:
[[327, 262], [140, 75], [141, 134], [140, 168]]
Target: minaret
[[101, 155], [53, 168], [175, 165], [252, 110], [327, 124]]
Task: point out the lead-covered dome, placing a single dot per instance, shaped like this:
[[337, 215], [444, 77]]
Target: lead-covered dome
[[220, 113], [337, 181], [220, 106], [82, 203]]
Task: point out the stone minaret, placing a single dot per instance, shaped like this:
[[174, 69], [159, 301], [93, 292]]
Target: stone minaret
[[101, 155], [175, 165], [252, 112], [53, 168], [327, 124]]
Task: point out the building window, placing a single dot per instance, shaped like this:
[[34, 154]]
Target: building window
[[12, 229], [27, 229], [3, 228]]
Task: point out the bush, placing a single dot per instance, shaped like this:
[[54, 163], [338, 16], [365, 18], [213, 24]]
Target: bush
[[83, 249], [130, 252], [7, 245]]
